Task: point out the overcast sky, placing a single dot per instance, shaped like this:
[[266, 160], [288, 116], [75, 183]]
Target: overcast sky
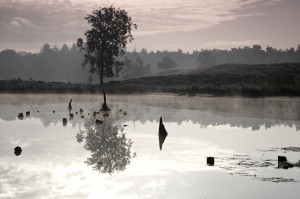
[[162, 24]]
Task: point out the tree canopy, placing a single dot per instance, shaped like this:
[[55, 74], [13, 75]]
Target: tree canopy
[[206, 58], [106, 41], [166, 63]]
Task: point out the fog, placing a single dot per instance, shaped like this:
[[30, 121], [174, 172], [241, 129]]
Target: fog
[[64, 64]]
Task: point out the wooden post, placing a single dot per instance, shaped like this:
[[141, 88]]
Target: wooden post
[[210, 161]]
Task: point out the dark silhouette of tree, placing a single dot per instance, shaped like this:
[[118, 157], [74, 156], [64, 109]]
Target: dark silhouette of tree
[[109, 147], [206, 58], [166, 63], [64, 50], [136, 68], [106, 41]]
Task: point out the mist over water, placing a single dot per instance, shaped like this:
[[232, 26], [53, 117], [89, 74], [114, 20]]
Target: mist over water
[[122, 154]]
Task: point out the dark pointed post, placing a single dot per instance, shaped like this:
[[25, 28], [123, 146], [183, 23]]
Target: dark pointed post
[[70, 104], [162, 133]]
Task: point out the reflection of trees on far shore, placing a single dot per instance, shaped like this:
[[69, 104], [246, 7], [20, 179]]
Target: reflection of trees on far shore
[[109, 147], [204, 111]]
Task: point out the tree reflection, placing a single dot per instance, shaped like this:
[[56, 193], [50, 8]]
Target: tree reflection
[[109, 147]]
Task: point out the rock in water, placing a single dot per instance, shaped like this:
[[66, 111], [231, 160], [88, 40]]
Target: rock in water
[[162, 133], [18, 150], [20, 116]]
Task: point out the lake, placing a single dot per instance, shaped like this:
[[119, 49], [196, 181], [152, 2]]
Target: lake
[[121, 158]]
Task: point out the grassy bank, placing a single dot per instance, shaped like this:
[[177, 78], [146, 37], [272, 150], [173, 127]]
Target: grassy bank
[[230, 79]]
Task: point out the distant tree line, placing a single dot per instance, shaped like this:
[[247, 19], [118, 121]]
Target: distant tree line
[[64, 64]]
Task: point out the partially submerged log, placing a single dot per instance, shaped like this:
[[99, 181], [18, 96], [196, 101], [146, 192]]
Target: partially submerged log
[[98, 122], [162, 133], [104, 105], [284, 164]]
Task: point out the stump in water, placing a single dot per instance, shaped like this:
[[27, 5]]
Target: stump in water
[[65, 121], [70, 104], [162, 133], [210, 161], [18, 151], [104, 106]]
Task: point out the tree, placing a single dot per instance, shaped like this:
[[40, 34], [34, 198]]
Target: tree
[[110, 149], [206, 58], [166, 63], [137, 68], [106, 41]]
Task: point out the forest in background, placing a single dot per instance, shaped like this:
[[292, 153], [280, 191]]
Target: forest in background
[[64, 64]]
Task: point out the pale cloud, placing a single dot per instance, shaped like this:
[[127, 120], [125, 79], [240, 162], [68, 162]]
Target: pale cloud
[[18, 22], [62, 21], [153, 17]]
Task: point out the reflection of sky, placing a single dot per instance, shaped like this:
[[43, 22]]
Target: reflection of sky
[[52, 162]]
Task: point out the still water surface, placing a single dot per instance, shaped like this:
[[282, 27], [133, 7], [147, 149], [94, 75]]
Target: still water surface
[[120, 158]]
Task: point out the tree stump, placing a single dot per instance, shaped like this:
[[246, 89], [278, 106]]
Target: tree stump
[[210, 161], [104, 106], [70, 104], [18, 151]]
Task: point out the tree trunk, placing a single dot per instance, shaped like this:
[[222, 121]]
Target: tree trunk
[[101, 68], [101, 77]]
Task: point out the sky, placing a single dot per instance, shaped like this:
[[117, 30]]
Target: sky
[[25, 25]]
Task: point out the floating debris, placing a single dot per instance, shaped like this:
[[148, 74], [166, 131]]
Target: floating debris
[[18, 151], [105, 115], [98, 122], [292, 148], [277, 179]]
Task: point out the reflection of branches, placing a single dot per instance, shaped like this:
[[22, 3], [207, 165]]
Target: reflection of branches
[[110, 149]]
